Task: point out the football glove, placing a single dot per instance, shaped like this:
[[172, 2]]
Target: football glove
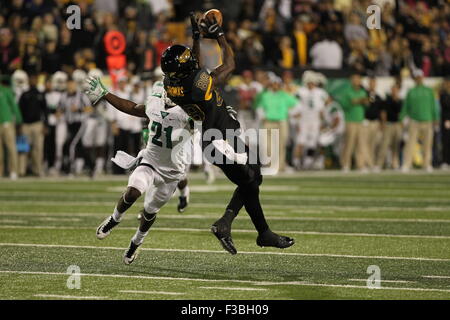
[[211, 29], [95, 90], [231, 112], [195, 27]]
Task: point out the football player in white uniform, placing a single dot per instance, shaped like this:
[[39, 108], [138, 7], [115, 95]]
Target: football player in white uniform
[[159, 167], [310, 115]]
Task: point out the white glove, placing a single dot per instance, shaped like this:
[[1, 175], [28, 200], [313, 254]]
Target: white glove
[[95, 90]]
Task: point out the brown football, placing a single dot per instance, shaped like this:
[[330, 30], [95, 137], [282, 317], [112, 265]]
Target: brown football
[[213, 13]]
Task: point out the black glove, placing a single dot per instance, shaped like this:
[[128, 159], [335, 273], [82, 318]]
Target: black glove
[[195, 28], [211, 29]]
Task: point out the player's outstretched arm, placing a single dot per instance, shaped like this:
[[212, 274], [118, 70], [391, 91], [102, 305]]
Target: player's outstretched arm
[[213, 30], [195, 36], [127, 106], [96, 91], [222, 72]]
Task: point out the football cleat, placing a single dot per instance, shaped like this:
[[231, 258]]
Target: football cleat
[[105, 228], [270, 239], [222, 230], [130, 254], [182, 205]]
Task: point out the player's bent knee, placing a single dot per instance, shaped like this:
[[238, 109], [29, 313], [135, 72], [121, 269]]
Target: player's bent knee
[[131, 195]]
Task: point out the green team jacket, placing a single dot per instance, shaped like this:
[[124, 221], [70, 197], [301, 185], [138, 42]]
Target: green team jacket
[[9, 110]]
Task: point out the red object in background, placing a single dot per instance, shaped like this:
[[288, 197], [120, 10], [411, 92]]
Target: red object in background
[[116, 61], [160, 46]]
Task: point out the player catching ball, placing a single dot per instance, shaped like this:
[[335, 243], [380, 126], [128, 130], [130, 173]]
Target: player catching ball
[[195, 90]]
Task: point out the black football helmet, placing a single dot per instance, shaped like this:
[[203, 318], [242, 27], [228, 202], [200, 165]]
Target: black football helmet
[[178, 62]]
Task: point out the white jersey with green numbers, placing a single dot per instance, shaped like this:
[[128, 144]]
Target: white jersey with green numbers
[[169, 139]]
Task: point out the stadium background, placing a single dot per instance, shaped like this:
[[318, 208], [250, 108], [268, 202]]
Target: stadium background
[[285, 37], [342, 223]]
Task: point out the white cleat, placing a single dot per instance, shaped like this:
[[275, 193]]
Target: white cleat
[[104, 229], [130, 254]]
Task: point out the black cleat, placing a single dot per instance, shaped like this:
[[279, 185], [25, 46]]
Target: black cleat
[[270, 239], [131, 253], [222, 230], [182, 205], [105, 228]]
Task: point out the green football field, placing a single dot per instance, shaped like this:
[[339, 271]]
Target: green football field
[[343, 224]]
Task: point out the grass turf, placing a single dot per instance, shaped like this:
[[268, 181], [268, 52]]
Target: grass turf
[[342, 225]]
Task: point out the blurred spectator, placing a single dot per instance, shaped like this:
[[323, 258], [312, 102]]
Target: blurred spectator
[[33, 107], [9, 116], [247, 91], [301, 42], [273, 107], [125, 128], [444, 100], [51, 61], [354, 30], [310, 112], [420, 107], [9, 55], [372, 130], [73, 104], [52, 98], [354, 100], [391, 128], [326, 54], [32, 59], [287, 54], [49, 28]]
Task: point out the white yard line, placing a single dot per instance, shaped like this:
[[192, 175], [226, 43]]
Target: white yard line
[[223, 252], [211, 215], [58, 219], [12, 221], [345, 234], [268, 283], [233, 288], [437, 277], [151, 292], [326, 198], [382, 281], [56, 296]]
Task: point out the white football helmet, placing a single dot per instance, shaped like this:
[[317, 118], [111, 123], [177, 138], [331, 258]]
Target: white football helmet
[[20, 81], [96, 73], [308, 76], [79, 76], [59, 81]]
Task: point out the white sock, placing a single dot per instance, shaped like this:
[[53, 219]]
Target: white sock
[[117, 216], [99, 163], [185, 192], [79, 163], [138, 237]]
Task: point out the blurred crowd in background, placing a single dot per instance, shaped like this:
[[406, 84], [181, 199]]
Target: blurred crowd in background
[[47, 125]]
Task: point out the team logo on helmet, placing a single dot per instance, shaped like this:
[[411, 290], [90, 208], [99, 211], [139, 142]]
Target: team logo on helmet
[[185, 56]]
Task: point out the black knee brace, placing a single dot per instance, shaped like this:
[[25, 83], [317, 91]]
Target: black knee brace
[[148, 216]]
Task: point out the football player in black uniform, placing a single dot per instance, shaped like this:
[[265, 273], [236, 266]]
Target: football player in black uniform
[[195, 90]]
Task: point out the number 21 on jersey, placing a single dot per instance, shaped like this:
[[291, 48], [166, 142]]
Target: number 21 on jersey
[[157, 138]]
